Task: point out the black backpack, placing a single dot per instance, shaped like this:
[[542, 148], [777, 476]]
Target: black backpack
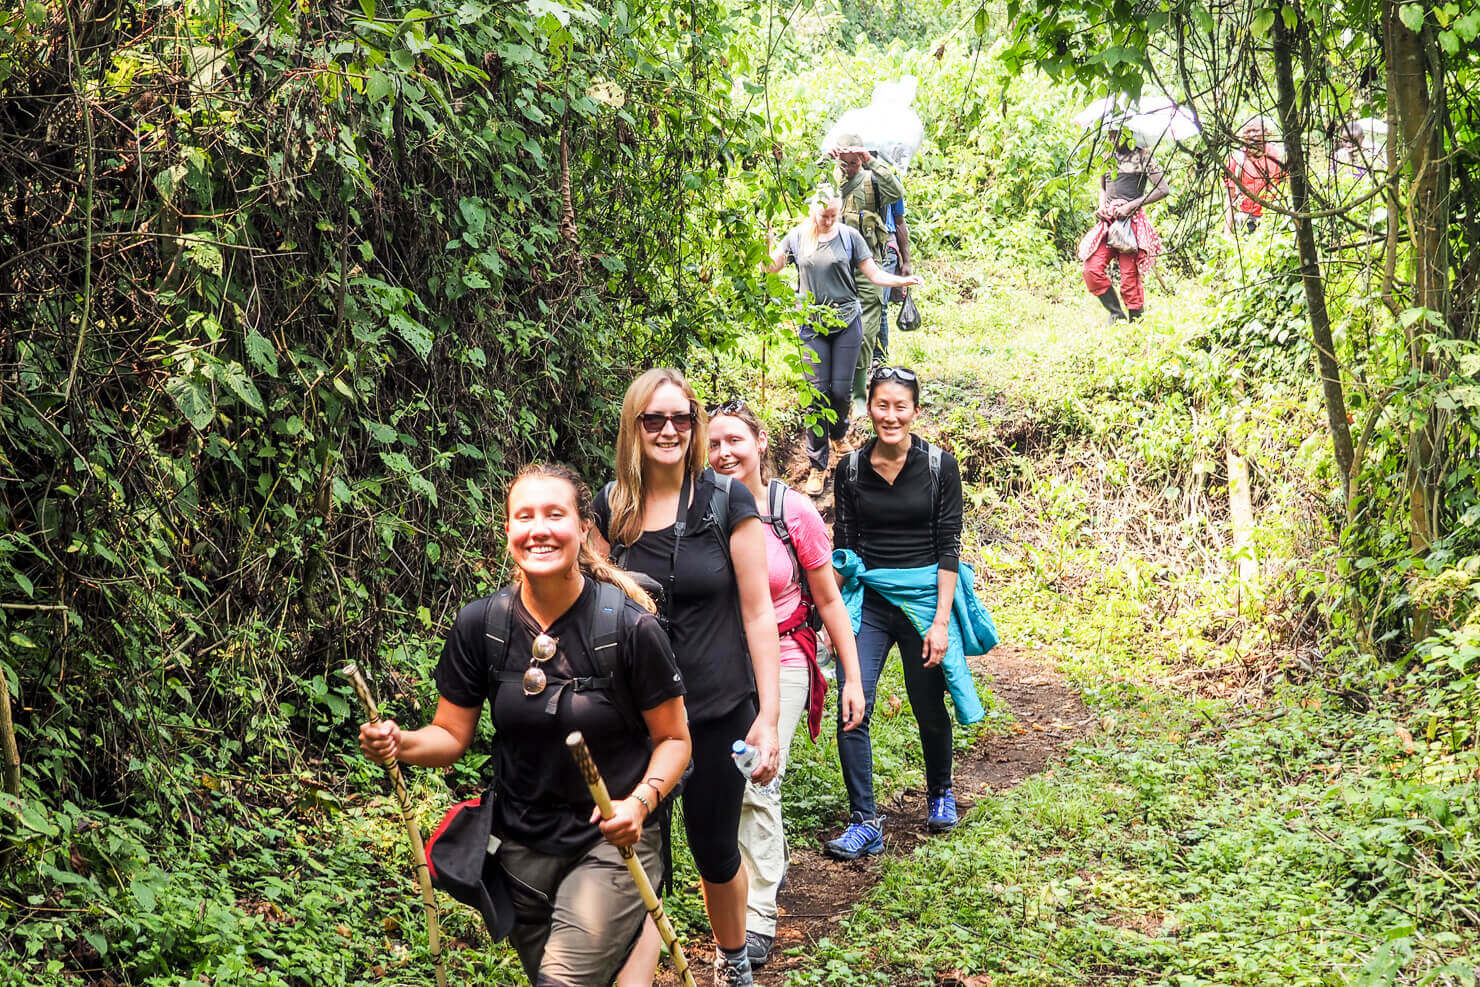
[[605, 632], [933, 452]]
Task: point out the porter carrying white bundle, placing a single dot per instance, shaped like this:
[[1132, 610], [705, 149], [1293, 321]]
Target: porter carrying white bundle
[[889, 126]]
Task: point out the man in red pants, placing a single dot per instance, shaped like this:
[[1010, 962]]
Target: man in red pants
[[1137, 182]]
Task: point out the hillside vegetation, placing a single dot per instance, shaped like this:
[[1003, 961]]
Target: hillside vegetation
[[290, 289]]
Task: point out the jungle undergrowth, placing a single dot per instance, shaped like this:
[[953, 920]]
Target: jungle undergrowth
[[1232, 821]]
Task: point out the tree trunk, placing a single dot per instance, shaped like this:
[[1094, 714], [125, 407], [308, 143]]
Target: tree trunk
[[1416, 91], [8, 750], [1293, 125]]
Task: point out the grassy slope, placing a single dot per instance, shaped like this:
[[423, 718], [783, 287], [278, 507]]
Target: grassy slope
[[1247, 839]]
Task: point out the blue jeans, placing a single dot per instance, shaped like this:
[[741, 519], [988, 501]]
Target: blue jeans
[[884, 625]]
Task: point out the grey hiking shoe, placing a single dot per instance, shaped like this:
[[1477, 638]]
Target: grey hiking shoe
[[733, 972], [758, 948]]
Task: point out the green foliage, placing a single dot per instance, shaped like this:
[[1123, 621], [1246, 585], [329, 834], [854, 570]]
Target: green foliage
[[291, 290]]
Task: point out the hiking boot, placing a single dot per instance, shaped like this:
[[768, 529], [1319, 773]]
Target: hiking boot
[[1111, 301], [816, 480], [758, 948], [1134, 314], [733, 971], [942, 812], [840, 447], [862, 836]]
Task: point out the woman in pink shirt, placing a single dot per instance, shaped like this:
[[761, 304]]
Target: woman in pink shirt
[[737, 449]]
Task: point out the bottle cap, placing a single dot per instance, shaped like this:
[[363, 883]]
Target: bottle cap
[[738, 747]]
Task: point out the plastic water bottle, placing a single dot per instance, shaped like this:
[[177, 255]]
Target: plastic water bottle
[[747, 759]]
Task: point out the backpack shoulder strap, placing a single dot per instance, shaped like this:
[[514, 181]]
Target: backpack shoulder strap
[[606, 626], [498, 622], [933, 452], [776, 511], [719, 500], [853, 467], [618, 551]]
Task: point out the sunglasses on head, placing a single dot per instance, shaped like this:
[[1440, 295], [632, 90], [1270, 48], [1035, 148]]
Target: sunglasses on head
[[730, 407], [895, 373], [653, 421]]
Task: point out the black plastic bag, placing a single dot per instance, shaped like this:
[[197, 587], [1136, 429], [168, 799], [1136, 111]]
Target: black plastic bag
[[909, 315]]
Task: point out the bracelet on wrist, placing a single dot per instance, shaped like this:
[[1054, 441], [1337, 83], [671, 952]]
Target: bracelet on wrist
[[645, 803]]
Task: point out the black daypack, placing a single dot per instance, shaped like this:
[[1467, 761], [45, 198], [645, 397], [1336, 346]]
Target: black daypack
[[933, 452], [605, 633]]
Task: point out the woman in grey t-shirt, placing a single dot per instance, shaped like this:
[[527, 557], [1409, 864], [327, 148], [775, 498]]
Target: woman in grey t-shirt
[[827, 254]]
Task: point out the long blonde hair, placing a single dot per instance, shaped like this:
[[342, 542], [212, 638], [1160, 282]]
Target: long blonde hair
[[588, 561], [629, 492], [826, 197]]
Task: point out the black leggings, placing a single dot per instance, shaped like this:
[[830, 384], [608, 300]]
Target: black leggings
[[713, 793], [831, 361]]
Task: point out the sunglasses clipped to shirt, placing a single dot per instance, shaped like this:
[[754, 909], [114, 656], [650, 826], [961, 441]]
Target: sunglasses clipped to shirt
[[894, 373], [653, 421]]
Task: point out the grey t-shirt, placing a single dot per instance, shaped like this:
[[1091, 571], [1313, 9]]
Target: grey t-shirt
[[826, 274]]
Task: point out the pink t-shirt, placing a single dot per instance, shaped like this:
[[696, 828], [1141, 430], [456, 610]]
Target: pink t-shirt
[[814, 549]]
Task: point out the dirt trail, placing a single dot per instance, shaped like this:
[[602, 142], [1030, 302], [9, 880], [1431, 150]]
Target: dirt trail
[[819, 891]]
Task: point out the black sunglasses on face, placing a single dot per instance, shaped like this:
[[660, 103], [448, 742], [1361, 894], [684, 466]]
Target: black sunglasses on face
[[896, 373], [653, 422], [728, 408]]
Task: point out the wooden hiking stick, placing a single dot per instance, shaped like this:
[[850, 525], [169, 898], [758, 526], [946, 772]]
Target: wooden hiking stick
[[577, 745], [413, 829]]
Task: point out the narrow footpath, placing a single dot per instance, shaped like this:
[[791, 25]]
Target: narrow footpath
[[1048, 716]]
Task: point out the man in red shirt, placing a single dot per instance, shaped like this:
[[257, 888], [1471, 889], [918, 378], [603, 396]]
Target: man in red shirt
[[1258, 167]]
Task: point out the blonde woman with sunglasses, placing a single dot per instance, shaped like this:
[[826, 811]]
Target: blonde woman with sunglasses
[[698, 536]]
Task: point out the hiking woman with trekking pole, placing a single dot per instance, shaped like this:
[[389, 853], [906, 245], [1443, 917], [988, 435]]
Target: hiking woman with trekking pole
[[698, 537], [827, 253], [805, 596], [571, 644], [897, 532]]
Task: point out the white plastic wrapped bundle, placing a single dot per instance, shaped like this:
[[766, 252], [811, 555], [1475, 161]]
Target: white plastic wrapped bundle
[[888, 126]]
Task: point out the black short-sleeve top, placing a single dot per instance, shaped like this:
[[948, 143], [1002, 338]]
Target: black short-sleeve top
[[704, 613], [543, 801]]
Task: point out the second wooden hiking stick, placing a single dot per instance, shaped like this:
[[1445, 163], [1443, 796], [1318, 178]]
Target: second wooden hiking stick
[[413, 829], [650, 899]]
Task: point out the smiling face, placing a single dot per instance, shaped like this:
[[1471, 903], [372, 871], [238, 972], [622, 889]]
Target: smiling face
[[734, 450], [544, 527], [669, 446], [893, 410]]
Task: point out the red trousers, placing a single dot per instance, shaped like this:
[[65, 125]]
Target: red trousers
[[1097, 277]]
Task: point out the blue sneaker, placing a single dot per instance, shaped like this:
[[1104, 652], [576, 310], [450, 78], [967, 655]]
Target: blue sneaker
[[862, 836], [942, 812]]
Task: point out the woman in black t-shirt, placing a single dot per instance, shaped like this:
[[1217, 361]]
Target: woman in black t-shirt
[[898, 513], [659, 518], [577, 913]]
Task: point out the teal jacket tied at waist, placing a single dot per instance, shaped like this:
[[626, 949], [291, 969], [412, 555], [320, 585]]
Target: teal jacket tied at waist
[[971, 631]]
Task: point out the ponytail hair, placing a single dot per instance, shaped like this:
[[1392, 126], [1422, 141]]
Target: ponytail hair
[[588, 560]]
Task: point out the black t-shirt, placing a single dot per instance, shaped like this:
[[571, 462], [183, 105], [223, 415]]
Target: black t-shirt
[[890, 525], [704, 612], [543, 801]]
